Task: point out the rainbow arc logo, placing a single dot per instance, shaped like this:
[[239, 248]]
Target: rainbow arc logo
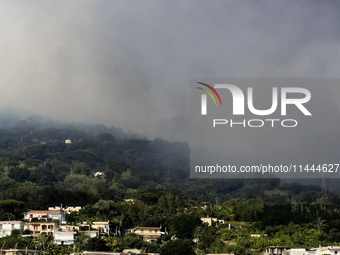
[[204, 97], [208, 92]]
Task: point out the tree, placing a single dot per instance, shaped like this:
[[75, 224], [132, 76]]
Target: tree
[[44, 242], [114, 244], [106, 137], [184, 225], [96, 244], [177, 247], [12, 208], [60, 250], [149, 198]]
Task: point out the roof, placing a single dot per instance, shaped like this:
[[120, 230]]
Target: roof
[[40, 223], [44, 211], [24, 250], [330, 248], [153, 228], [10, 221], [113, 253]]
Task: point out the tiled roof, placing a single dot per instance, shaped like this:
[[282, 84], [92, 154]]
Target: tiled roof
[[44, 211], [10, 221], [330, 248], [153, 228]]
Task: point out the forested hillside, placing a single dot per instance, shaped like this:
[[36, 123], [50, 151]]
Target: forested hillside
[[34, 156], [103, 166]]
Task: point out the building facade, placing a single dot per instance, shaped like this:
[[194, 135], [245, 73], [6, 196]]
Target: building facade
[[6, 227], [150, 234]]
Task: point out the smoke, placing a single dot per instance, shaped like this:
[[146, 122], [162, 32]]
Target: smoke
[[129, 63]]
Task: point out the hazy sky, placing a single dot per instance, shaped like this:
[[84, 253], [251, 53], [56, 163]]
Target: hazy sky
[[129, 63]]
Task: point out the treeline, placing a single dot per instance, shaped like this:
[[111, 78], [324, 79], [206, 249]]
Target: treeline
[[290, 225], [35, 157]]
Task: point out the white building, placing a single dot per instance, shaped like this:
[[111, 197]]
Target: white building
[[211, 220], [64, 237], [276, 250], [330, 250], [45, 214], [6, 227], [297, 251], [19, 251], [150, 234], [258, 235], [98, 174], [102, 226], [68, 209], [89, 233]]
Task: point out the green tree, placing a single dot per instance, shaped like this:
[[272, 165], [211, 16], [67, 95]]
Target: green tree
[[114, 244], [184, 225], [60, 250], [13, 208], [177, 247]]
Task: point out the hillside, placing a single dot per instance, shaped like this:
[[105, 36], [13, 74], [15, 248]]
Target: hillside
[[33, 153]]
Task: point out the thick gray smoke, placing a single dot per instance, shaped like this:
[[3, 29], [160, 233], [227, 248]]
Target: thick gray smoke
[[129, 63]]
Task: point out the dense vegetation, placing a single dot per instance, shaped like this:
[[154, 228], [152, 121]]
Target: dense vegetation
[[38, 169]]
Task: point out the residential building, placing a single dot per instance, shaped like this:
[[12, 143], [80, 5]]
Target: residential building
[[70, 209], [129, 201], [6, 227], [330, 250], [134, 251], [114, 253], [211, 220], [41, 227], [258, 235], [98, 174], [101, 226], [64, 237], [67, 210], [276, 250], [55, 208], [150, 234], [220, 254], [19, 251], [68, 228], [297, 251], [45, 214], [89, 233]]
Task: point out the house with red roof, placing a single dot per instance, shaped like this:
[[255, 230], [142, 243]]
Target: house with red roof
[[44, 214]]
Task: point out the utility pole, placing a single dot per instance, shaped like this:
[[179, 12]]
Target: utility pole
[[323, 186]]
